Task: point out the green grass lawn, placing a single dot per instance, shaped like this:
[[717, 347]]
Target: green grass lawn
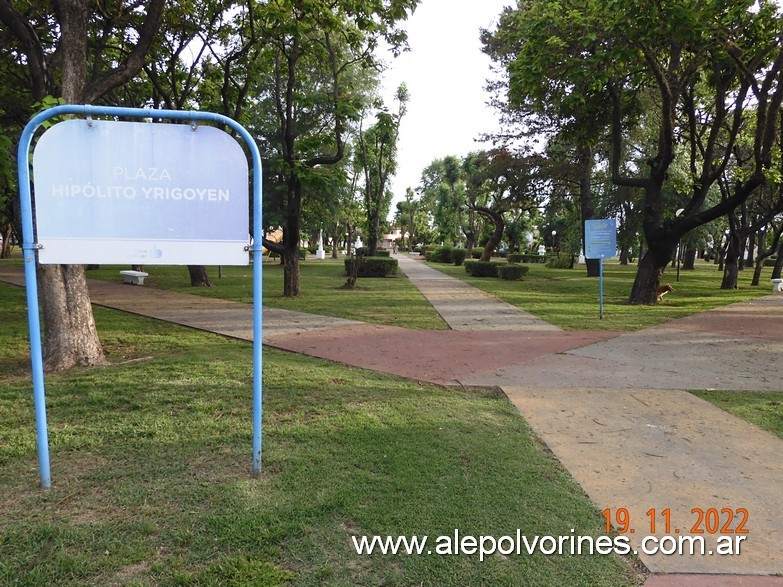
[[764, 409], [151, 472], [569, 299], [393, 301]]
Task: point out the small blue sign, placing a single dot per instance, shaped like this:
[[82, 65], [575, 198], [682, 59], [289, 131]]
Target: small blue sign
[[600, 238]]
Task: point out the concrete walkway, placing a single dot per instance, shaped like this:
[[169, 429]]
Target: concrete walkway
[[463, 307], [612, 407]]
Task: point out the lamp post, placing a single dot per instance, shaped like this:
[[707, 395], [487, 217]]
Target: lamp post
[[554, 242]]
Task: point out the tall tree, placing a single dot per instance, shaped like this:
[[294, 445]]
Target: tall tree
[[515, 184], [79, 51], [377, 153], [314, 50], [543, 94], [697, 64]]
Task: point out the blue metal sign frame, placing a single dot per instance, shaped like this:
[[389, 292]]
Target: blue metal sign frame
[[29, 248]]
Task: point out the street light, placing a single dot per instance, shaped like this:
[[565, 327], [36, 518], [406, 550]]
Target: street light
[[554, 242]]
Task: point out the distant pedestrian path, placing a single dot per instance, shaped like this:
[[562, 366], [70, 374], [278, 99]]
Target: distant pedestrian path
[[464, 307]]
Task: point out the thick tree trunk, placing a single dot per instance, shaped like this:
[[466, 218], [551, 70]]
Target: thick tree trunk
[[373, 226], [6, 250], [751, 248], [648, 278], [731, 263], [497, 235], [70, 337], [730, 273], [291, 284], [689, 259], [651, 267], [778, 268], [198, 276], [757, 271]]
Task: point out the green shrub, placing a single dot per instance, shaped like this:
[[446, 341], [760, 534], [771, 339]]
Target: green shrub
[[439, 255], [303, 254], [512, 271], [561, 262], [476, 254], [481, 268], [525, 257], [383, 253], [373, 266], [458, 256]]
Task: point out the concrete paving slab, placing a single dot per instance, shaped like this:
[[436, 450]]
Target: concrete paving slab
[[736, 347], [464, 307], [644, 449], [445, 357]]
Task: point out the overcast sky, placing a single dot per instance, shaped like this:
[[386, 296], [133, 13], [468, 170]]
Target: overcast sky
[[445, 72]]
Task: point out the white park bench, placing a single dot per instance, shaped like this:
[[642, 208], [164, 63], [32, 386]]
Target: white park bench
[[134, 277]]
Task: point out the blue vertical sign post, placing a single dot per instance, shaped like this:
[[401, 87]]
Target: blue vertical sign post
[[130, 192], [600, 243]]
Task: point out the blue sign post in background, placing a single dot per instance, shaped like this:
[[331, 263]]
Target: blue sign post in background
[[132, 171], [600, 243]]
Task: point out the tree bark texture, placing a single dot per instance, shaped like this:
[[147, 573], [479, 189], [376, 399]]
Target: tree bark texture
[[778, 268], [291, 282], [731, 263], [497, 235], [70, 336], [198, 276]]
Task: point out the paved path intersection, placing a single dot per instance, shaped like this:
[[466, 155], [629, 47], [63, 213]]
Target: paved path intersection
[[612, 407]]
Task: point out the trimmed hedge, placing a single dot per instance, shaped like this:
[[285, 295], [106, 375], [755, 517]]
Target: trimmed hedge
[[512, 271], [525, 258], [476, 254], [383, 253], [481, 268], [373, 266], [561, 262], [458, 256], [439, 255]]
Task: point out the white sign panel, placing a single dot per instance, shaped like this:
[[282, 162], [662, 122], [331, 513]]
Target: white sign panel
[[140, 193]]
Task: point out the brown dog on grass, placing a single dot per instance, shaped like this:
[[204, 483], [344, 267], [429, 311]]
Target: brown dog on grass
[[663, 290]]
